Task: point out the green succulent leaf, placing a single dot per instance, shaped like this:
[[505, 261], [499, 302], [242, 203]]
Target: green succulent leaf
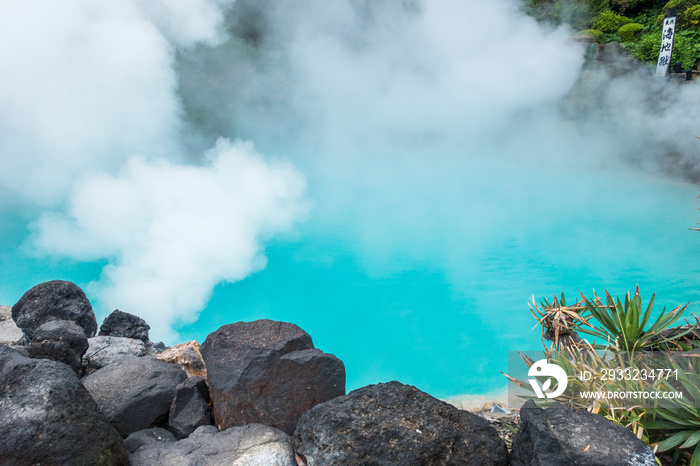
[[675, 440]]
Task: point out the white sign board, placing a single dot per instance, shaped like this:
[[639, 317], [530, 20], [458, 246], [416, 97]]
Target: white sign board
[[667, 34]]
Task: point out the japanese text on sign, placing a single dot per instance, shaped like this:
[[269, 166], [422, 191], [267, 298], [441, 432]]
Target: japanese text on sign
[[666, 46]]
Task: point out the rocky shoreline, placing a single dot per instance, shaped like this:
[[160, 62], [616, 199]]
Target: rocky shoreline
[[254, 393]]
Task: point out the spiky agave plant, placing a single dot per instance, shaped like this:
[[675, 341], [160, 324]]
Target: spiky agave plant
[[623, 326], [677, 420], [583, 358]]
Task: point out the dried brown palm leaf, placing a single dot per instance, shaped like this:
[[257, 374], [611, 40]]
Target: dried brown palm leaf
[[559, 321]]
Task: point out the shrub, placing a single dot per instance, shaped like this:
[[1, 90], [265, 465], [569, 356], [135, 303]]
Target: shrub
[[623, 325], [692, 17], [594, 34], [686, 48], [677, 423], [682, 6], [630, 32], [577, 13], [630, 339], [622, 5], [609, 22], [647, 49]]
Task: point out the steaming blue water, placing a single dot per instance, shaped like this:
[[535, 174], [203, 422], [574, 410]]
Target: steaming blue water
[[439, 300]]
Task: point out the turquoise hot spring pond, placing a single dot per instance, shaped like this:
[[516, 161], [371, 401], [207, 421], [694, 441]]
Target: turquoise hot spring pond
[[436, 295]]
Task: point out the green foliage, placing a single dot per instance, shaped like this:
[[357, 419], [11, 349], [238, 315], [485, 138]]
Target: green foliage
[[583, 358], [594, 34], [686, 48], [650, 19], [681, 5], [577, 13], [647, 49], [630, 32], [629, 338], [692, 17], [609, 22], [623, 5], [624, 326], [593, 17], [677, 421]]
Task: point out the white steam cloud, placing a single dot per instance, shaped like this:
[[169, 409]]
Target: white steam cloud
[[86, 87], [90, 125], [402, 115], [172, 232]]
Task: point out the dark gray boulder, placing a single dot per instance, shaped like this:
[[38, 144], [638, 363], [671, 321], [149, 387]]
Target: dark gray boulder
[[123, 324], [250, 445], [190, 407], [103, 351], [392, 423], [49, 418], [59, 340], [558, 435], [158, 347], [205, 430], [135, 393], [65, 331], [54, 300], [267, 372], [142, 437]]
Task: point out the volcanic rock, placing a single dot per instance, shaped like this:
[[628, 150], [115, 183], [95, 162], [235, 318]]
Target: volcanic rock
[[205, 430], [103, 351], [250, 445], [157, 347], [123, 324], [135, 393], [187, 356], [54, 300], [142, 437], [267, 372], [558, 435], [5, 313], [59, 340], [393, 423], [10, 334], [190, 407], [48, 417]]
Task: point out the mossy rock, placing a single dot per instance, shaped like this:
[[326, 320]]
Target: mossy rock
[[608, 22], [593, 34], [687, 9], [681, 5], [630, 32]]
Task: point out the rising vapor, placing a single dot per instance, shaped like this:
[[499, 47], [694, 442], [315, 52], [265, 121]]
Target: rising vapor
[[401, 116], [91, 129]]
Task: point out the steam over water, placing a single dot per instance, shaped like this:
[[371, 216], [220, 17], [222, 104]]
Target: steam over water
[[397, 178]]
